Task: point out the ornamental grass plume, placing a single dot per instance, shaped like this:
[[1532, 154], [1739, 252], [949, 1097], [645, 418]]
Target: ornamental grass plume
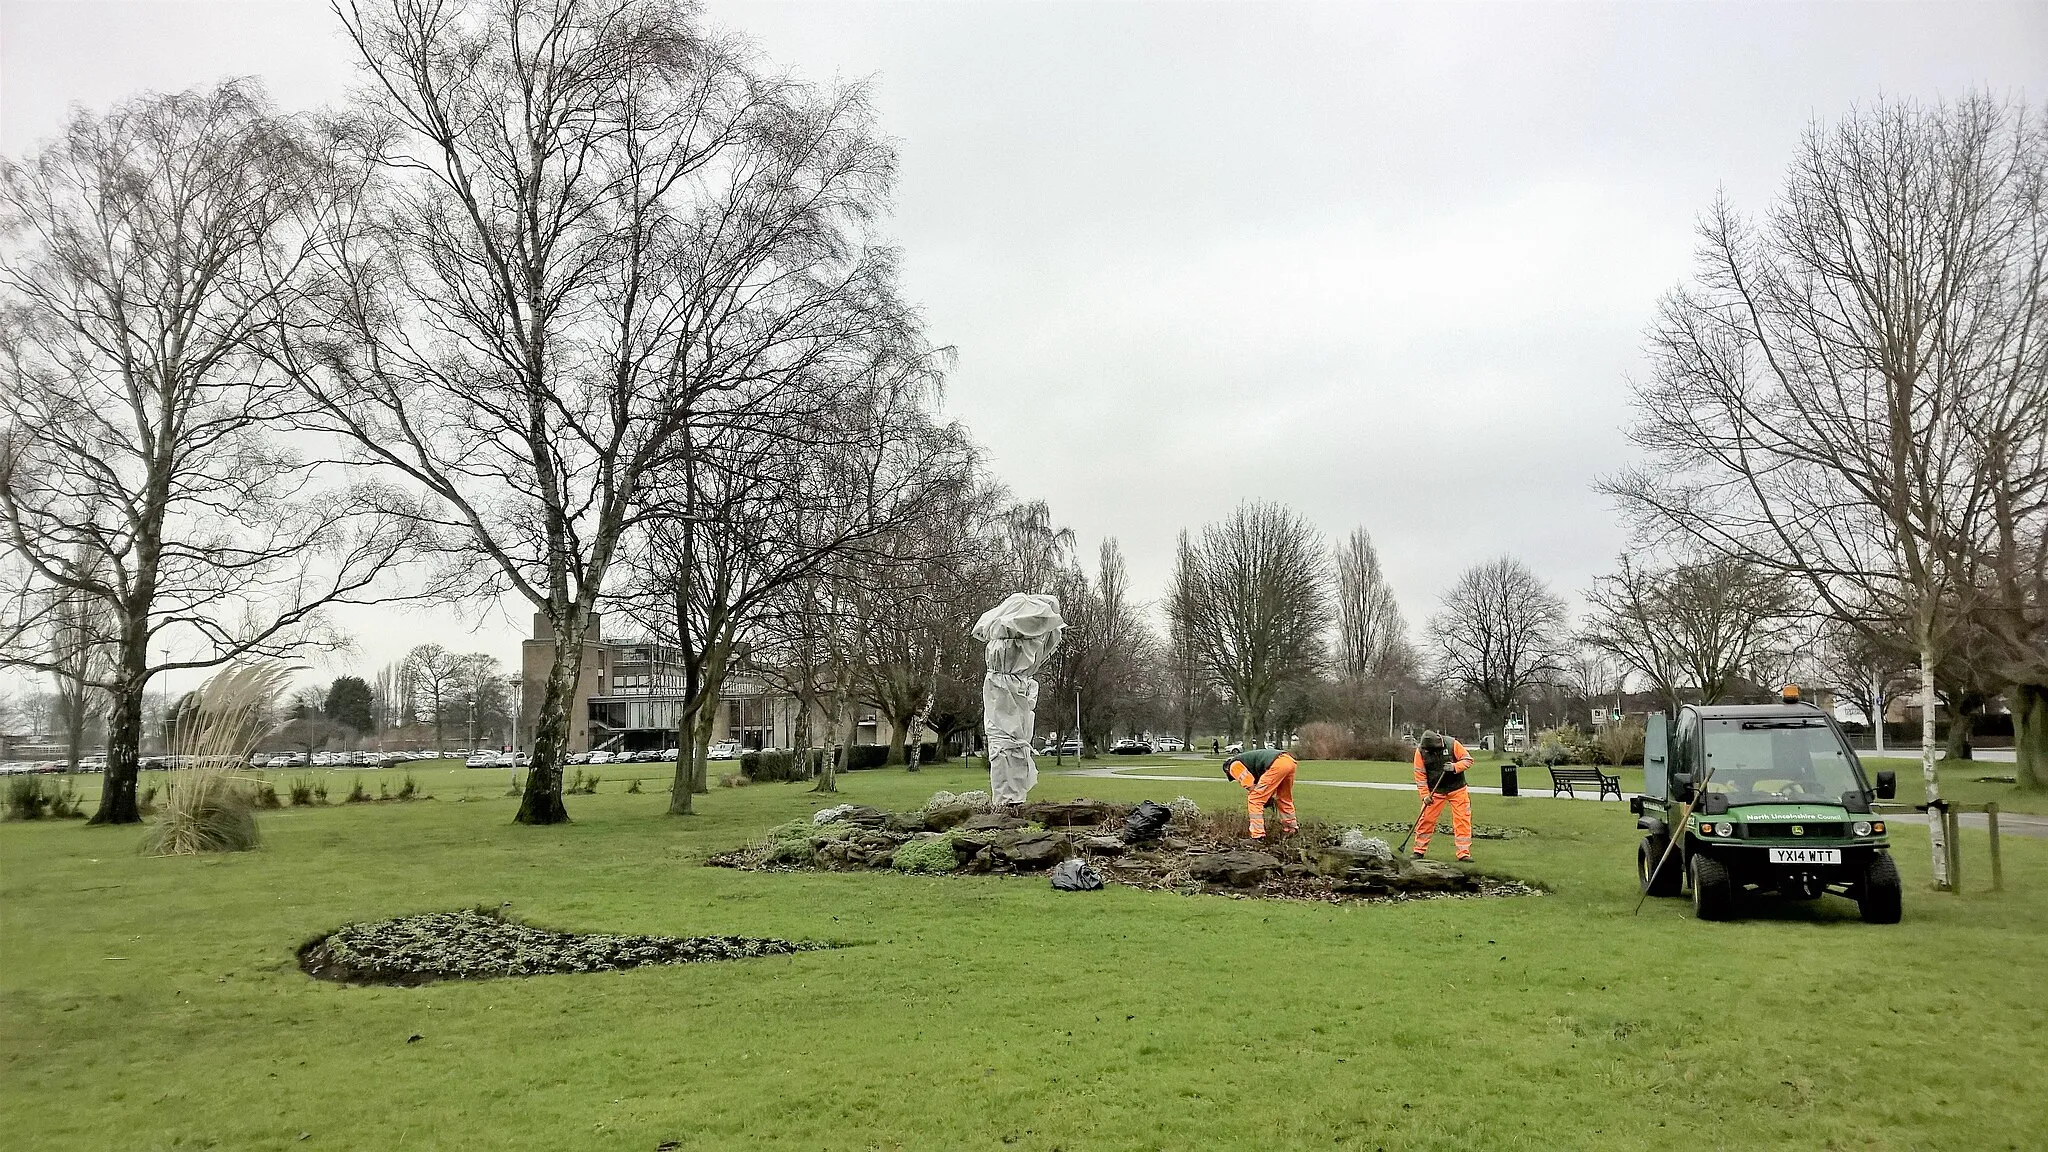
[[207, 806]]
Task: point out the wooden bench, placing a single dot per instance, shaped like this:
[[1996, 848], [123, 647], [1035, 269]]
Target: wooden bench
[[1562, 779]]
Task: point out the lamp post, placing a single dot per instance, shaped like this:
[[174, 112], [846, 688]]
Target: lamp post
[[1390, 713]]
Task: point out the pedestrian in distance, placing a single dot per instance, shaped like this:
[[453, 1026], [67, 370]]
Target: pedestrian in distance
[[1267, 775], [1215, 747], [1440, 765]]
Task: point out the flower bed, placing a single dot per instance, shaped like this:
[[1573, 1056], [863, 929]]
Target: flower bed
[[478, 944]]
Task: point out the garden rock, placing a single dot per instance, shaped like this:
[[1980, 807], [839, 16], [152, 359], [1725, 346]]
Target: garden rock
[[991, 822], [1430, 876], [905, 822], [1070, 813], [1241, 868], [1347, 862], [1031, 851], [1102, 846], [833, 814], [1076, 875], [940, 817], [1355, 840]]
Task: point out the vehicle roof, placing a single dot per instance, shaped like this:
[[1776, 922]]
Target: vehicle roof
[[1756, 711]]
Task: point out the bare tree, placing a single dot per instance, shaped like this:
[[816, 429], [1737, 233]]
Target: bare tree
[[435, 680], [1499, 633], [1255, 593], [1703, 625], [81, 654], [597, 221], [1106, 653], [1812, 398], [1370, 629], [147, 251]]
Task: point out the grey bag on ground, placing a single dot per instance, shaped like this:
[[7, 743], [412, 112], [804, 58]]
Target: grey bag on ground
[[1146, 821], [1076, 875]]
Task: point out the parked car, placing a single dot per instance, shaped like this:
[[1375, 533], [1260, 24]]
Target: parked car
[[481, 758], [1130, 746], [522, 760], [1069, 748], [1169, 744], [1233, 749], [723, 750]]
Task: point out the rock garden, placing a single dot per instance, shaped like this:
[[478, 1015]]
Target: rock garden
[[481, 943], [1085, 843]]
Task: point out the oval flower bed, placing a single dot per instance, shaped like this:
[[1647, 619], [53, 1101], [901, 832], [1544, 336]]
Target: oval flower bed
[[481, 943]]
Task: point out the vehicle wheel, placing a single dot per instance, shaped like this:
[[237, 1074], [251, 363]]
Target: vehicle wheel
[[1713, 893], [1670, 881], [1878, 896]]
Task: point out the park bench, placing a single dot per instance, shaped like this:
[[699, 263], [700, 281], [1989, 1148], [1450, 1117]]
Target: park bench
[[1562, 779]]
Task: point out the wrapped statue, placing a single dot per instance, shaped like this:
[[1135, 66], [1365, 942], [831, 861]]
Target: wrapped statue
[[1021, 633]]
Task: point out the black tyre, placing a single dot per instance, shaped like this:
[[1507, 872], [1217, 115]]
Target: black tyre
[[1670, 881], [1713, 893], [1878, 896]]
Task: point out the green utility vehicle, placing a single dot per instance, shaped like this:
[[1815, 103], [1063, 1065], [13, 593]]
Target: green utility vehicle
[[1763, 798]]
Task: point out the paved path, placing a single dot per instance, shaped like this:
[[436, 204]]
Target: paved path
[[2009, 823]]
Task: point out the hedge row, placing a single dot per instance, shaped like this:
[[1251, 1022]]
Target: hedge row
[[781, 764]]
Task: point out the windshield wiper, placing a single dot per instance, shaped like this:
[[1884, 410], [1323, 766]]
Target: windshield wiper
[[1752, 725]]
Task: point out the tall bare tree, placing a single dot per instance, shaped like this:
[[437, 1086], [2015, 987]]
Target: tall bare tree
[[1813, 402], [1255, 593], [597, 220], [1499, 633], [434, 682], [1703, 625], [147, 251]]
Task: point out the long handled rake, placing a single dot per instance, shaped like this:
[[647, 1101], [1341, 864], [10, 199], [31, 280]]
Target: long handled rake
[[1699, 793], [1419, 816]]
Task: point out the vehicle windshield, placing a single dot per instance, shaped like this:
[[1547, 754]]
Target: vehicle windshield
[[1778, 762]]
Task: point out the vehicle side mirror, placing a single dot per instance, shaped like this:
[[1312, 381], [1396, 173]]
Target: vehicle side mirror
[[1635, 805], [1887, 784], [1681, 787]]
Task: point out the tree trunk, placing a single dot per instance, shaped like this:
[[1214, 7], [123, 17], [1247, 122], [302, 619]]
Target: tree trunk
[[74, 724], [124, 745], [1876, 716], [680, 789], [541, 802], [828, 766], [1937, 837], [2030, 736], [1962, 724]]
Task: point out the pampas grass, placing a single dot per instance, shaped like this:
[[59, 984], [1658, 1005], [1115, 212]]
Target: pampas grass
[[207, 806]]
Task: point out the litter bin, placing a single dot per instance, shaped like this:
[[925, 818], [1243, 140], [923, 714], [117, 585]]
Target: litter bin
[[1509, 784]]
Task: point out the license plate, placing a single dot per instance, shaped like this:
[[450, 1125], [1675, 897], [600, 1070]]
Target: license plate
[[1806, 855]]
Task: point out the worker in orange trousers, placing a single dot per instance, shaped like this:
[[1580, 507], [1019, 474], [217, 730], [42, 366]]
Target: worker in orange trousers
[[1440, 765], [1267, 775]]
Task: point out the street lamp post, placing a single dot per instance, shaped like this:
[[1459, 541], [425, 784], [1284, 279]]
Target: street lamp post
[[1390, 714]]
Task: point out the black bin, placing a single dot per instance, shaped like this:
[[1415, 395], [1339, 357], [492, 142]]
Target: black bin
[[1510, 785]]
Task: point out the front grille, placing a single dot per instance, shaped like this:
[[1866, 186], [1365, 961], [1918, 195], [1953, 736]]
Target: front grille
[[1810, 830]]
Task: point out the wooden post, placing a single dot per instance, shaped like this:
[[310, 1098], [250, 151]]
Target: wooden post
[[1951, 827], [1997, 866]]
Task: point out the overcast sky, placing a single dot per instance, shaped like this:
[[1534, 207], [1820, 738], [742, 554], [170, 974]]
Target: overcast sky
[[1388, 264]]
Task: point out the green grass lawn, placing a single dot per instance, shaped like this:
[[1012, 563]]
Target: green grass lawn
[[154, 1004]]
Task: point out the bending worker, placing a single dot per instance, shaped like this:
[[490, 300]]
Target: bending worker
[[1268, 777], [1440, 765]]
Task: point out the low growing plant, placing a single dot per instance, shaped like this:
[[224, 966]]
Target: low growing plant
[[357, 794], [933, 854]]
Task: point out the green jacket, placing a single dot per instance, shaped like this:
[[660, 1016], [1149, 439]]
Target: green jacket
[[1255, 761]]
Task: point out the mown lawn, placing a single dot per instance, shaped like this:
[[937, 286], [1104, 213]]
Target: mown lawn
[[154, 1004]]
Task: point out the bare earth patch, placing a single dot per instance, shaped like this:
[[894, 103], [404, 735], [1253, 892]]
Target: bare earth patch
[[479, 944]]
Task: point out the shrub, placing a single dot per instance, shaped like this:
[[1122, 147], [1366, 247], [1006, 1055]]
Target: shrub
[[319, 791], [776, 765], [1621, 743], [148, 803], [934, 854], [27, 799], [633, 785], [301, 792], [733, 780], [409, 789], [205, 810], [357, 794], [864, 756], [264, 795], [206, 807], [1323, 741], [1566, 745]]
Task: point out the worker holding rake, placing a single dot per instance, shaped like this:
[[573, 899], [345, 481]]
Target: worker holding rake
[[1267, 775], [1440, 765]]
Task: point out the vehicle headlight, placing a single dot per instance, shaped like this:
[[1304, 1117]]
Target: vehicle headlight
[[1861, 827]]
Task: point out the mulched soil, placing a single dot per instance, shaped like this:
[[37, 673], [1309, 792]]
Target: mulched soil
[[1197, 853], [480, 944]]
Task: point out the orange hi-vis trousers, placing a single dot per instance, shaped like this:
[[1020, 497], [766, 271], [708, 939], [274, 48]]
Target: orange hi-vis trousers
[[1461, 820], [1273, 786]]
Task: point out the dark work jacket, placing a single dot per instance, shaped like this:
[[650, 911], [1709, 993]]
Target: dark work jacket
[[1255, 761]]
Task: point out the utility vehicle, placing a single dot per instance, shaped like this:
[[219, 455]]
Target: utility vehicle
[[1761, 798]]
